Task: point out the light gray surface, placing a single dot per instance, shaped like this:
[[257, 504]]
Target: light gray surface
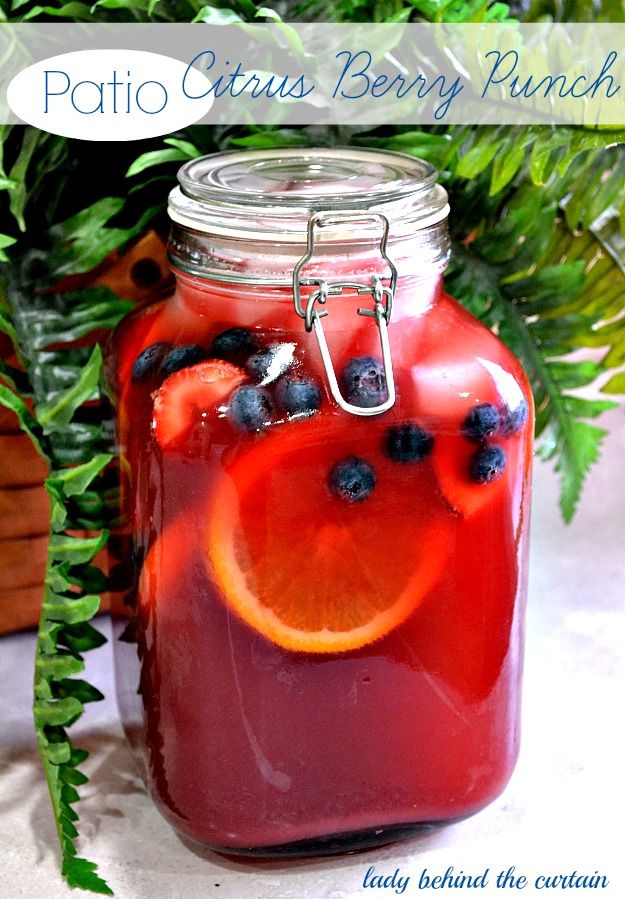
[[562, 810]]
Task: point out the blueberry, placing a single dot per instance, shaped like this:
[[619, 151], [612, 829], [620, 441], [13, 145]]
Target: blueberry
[[364, 382], [366, 397], [352, 479], [481, 422], [408, 443], [234, 344], [512, 420], [250, 408], [269, 363], [148, 361], [487, 464], [363, 371], [182, 357], [298, 396]]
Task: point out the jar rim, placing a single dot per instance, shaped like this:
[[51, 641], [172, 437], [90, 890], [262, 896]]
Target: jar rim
[[261, 195]]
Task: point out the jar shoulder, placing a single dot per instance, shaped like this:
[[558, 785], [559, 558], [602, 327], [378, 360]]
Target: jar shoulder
[[459, 363], [451, 358], [468, 328], [457, 336]]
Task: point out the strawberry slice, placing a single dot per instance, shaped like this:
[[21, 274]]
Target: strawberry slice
[[186, 405]]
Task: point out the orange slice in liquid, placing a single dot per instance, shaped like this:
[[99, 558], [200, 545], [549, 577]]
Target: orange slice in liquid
[[312, 571]]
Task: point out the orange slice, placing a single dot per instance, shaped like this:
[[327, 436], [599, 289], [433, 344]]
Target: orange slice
[[312, 571], [451, 459]]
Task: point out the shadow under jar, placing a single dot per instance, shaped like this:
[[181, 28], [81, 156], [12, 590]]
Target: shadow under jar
[[325, 466]]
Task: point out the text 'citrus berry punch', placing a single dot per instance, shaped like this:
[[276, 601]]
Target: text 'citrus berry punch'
[[325, 469]]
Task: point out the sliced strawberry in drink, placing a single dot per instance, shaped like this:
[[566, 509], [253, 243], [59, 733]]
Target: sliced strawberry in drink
[[186, 405]]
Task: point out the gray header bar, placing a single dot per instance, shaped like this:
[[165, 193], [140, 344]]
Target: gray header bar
[[306, 74]]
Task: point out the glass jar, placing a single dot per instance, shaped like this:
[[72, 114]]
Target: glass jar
[[326, 467]]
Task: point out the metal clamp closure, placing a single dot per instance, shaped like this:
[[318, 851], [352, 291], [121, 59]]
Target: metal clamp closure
[[382, 295]]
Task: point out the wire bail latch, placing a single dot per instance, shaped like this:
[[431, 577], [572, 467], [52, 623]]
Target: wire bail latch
[[382, 295]]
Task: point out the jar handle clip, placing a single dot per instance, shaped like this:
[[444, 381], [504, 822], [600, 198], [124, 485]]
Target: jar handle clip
[[382, 305]]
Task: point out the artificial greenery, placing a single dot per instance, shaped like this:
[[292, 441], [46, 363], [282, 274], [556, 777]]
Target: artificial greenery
[[64, 385], [537, 225], [62, 382]]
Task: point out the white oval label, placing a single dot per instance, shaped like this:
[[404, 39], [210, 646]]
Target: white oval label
[[110, 94]]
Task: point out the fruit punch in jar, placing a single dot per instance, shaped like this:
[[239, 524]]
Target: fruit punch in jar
[[325, 466]]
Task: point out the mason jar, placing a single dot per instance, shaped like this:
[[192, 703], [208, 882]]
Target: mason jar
[[326, 466]]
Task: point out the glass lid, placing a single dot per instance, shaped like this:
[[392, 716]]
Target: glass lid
[[261, 194]]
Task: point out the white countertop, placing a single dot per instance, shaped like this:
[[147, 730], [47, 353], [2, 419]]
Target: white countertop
[[561, 812]]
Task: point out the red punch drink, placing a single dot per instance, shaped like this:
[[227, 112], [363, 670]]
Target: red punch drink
[[326, 468]]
